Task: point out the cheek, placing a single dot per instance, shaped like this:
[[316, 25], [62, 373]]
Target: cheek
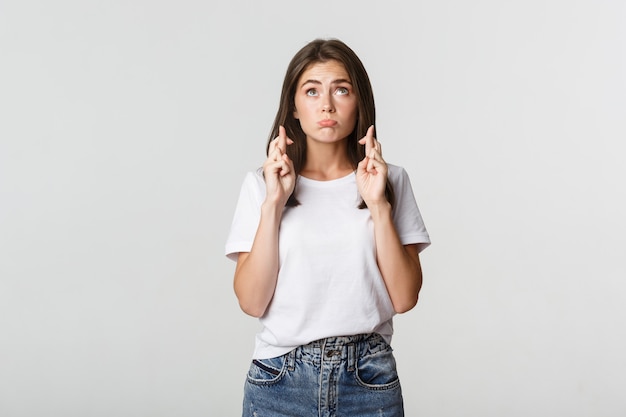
[[349, 106], [351, 111], [303, 111]]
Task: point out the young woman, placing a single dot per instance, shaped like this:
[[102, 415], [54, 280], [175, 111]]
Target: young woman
[[326, 236]]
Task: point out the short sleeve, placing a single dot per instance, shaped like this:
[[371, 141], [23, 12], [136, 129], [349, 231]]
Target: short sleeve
[[247, 215], [406, 214]]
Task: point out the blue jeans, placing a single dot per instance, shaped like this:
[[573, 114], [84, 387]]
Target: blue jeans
[[333, 377]]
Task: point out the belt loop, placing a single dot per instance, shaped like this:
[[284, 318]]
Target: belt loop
[[291, 360], [351, 357]]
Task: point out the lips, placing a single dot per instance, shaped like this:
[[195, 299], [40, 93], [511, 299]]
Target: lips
[[327, 123]]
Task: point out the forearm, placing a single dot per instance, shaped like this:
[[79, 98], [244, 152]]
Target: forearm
[[257, 271], [399, 265]]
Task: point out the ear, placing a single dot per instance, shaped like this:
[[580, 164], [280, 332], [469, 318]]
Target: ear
[[295, 114]]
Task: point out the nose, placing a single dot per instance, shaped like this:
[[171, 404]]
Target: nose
[[327, 106]]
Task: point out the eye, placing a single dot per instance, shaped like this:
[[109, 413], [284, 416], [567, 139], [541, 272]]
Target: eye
[[342, 91], [311, 92]]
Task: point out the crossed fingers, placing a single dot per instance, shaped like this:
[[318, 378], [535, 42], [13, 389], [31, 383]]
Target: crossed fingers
[[373, 149], [278, 151], [278, 146]]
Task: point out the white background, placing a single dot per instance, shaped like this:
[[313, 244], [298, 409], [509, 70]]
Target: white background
[[126, 128]]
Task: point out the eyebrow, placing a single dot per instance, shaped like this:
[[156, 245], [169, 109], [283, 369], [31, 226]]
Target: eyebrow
[[338, 81]]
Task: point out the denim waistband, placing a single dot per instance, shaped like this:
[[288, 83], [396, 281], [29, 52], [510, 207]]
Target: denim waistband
[[339, 348]]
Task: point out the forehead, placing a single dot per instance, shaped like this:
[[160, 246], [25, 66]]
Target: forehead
[[322, 71]]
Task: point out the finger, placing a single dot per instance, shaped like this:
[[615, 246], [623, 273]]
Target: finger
[[277, 168], [287, 159], [281, 142], [371, 165], [375, 154], [275, 153], [368, 140], [286, 166], [377, 165], [284, 169]]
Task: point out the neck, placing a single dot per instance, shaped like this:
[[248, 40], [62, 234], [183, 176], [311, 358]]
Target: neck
[[326, 161]]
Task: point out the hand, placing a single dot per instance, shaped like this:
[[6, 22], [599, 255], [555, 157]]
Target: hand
[[371, 174], [278, 170]]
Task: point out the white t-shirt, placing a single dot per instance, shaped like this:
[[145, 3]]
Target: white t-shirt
[[328, 283]]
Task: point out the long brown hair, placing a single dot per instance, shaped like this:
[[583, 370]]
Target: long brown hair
[[316, 51]]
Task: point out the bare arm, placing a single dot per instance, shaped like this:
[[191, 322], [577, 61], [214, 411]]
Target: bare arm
[[257, 271], [399, 264]]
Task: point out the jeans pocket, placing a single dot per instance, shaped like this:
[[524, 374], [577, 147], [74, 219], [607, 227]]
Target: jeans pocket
[[267, 371], [378, 371]]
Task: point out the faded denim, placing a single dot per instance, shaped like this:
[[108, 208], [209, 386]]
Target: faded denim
[[333, 377]]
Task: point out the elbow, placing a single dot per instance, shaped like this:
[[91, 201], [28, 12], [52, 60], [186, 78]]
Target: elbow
[[405, 291], [252, 309], [405, 305], [248, 303]]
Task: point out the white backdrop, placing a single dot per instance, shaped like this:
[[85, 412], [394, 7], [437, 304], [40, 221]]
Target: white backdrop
[[126, 128]]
